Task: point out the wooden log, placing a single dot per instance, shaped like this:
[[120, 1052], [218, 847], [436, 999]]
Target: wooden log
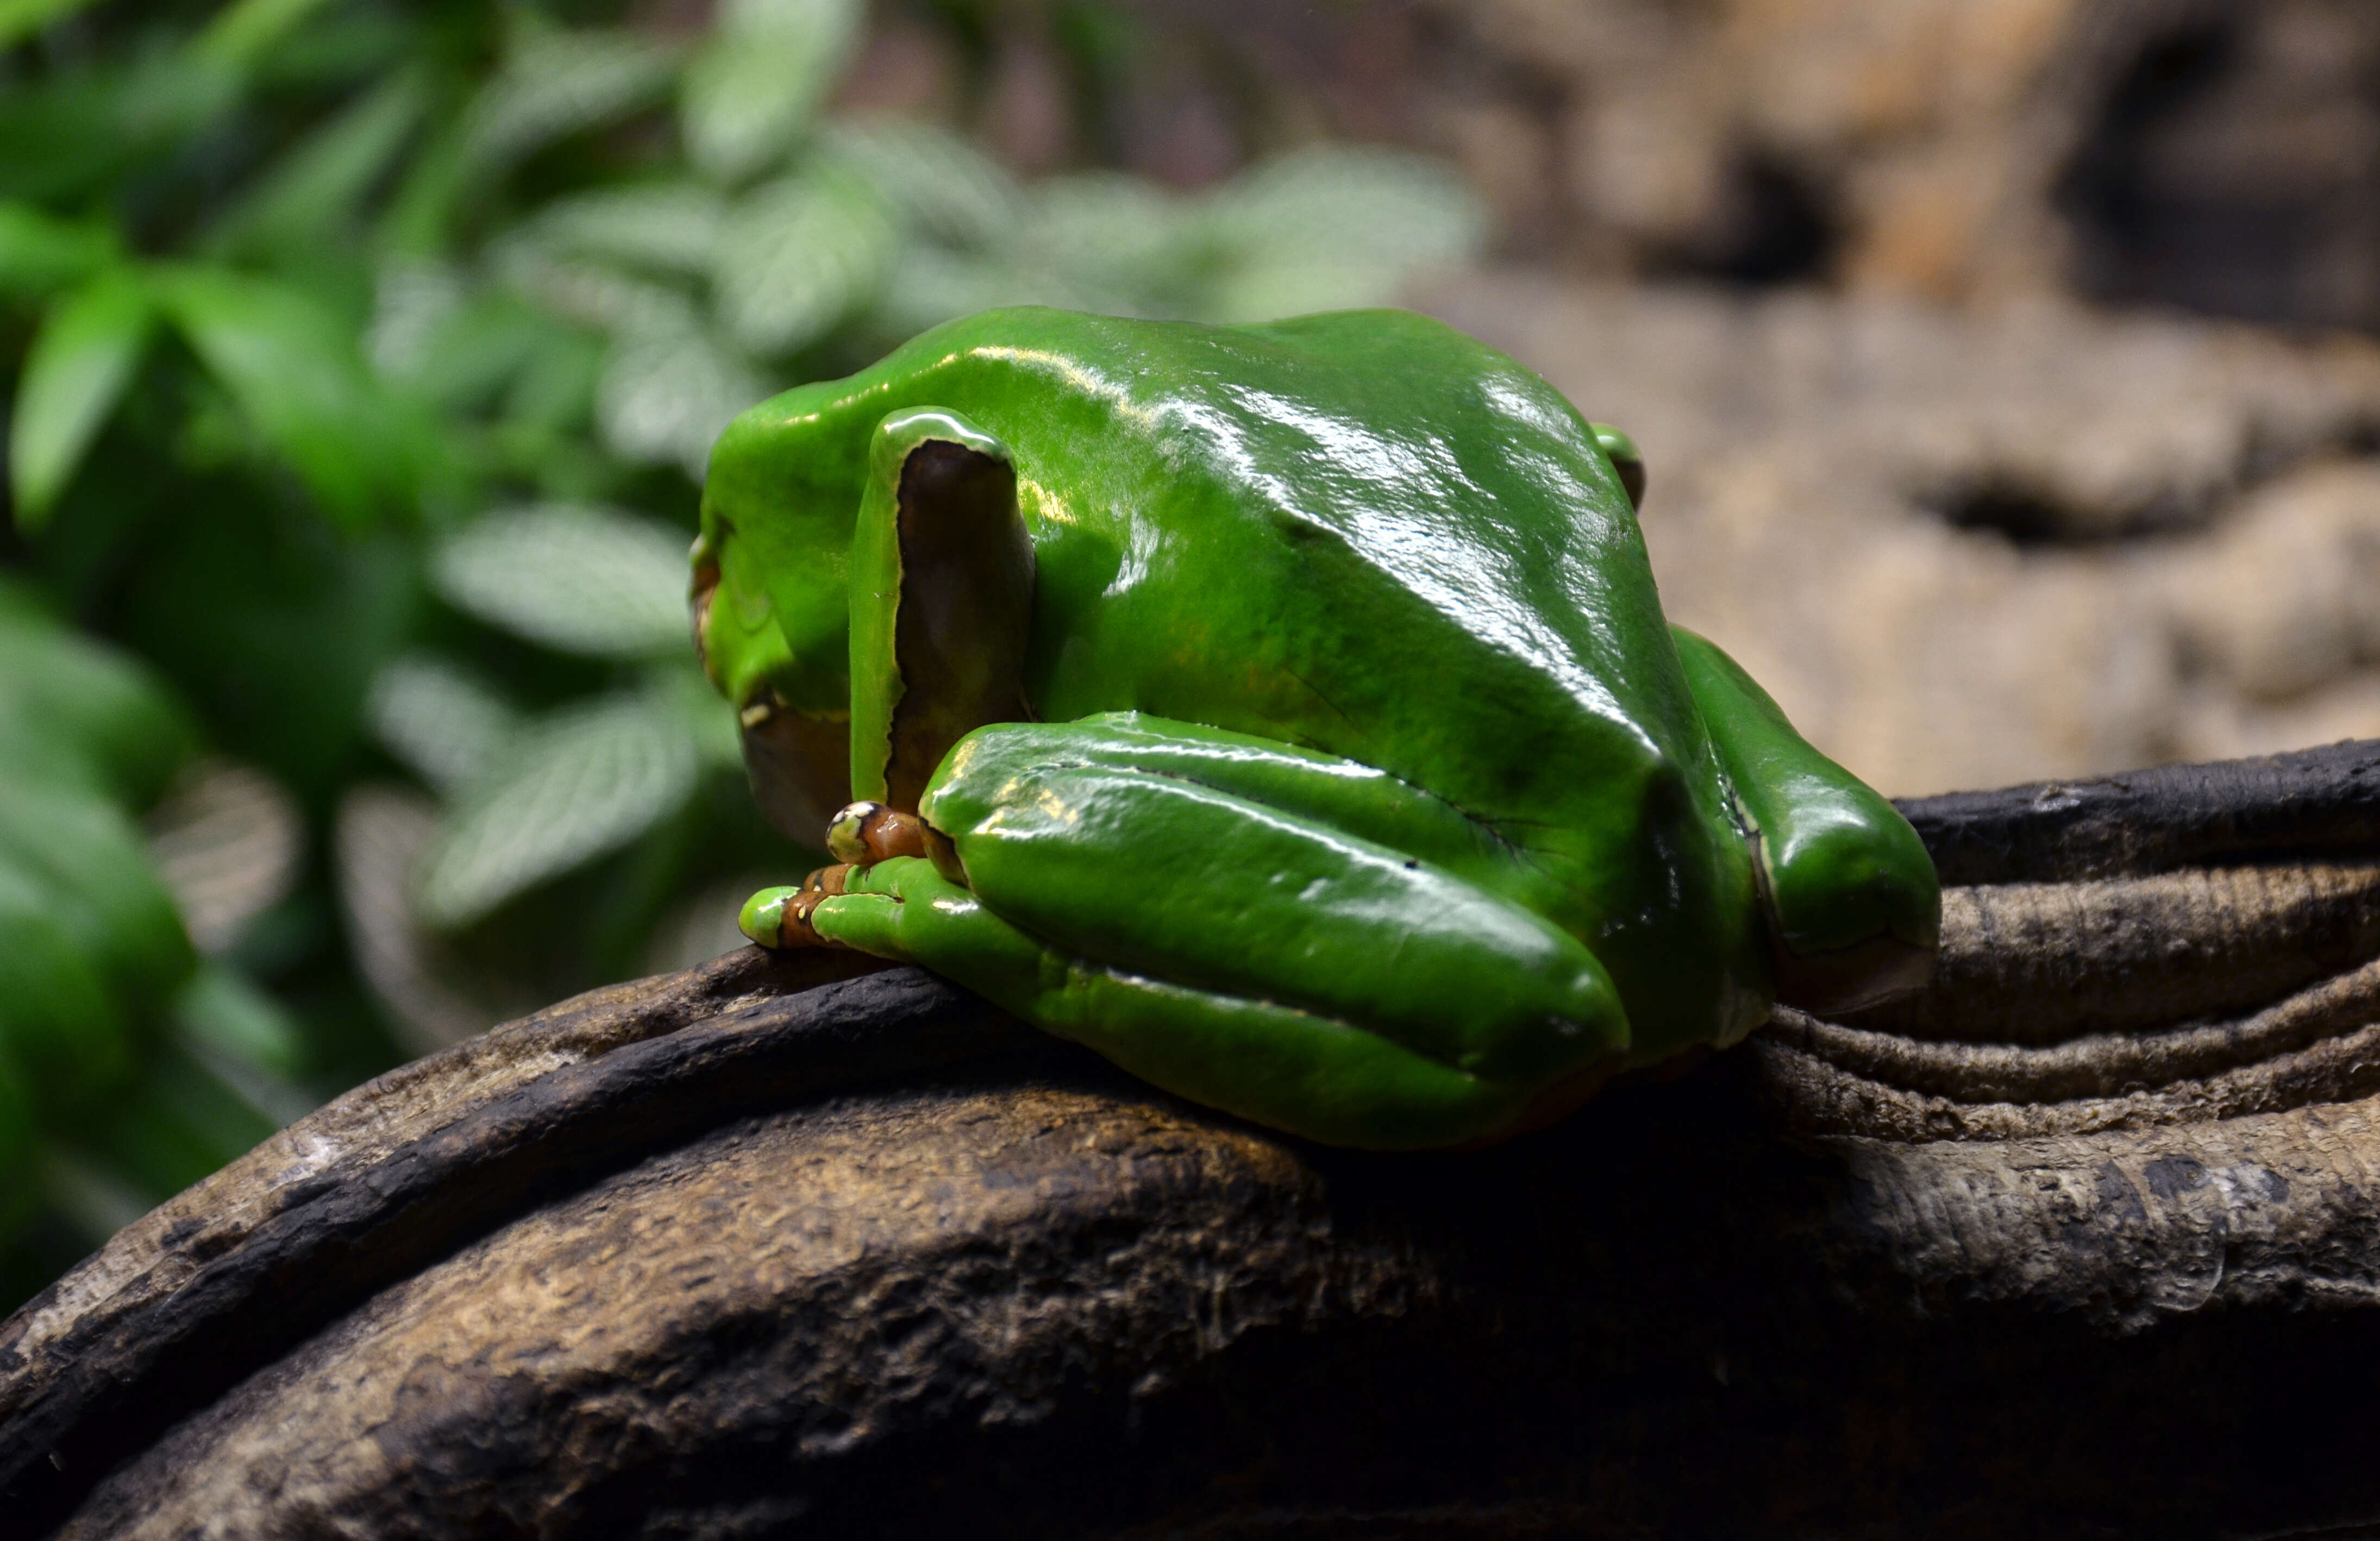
[[755, 1250]]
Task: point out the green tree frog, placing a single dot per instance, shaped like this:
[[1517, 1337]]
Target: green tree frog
[[1284, 711]]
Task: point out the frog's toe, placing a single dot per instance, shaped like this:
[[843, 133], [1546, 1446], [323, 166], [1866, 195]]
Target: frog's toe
[[782, 916], [864, 833]]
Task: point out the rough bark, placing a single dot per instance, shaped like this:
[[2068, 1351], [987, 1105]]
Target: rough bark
[[738, 1253]]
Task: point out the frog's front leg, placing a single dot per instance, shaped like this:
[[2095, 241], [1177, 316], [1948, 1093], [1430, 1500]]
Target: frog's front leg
[[1178, 899], [1855, 906]]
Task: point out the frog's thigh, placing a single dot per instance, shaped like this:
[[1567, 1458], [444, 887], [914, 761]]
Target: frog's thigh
[[1853, 897], [1087, 834]]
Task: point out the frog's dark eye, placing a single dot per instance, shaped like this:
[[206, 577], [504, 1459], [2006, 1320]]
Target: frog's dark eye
[[1625, 459]]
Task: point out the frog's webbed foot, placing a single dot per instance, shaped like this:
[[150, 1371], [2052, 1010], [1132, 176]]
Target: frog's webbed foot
[[1855, 906], [780, 917], [861, 835]]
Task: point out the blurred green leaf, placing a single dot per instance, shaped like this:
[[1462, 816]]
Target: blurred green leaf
[[672, 226], [57, 1020], [591, 293], [936, 182], [171, 1125], [422, 212], [94, 716], [273, 622], [580, 783], [317, 189], [40, 254], [244, 29], [412, 299], [752, 90], [1103, 230], [82, 361], [64, 136], [582, 580], [22, 18], [668, 388], [248, 1039], [445, 725], [89, 862], [1342, 200], [294, 368], [558, 83], [797, 255]]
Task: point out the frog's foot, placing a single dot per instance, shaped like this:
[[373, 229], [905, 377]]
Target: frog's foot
[[1854, 907], [780, 917], [862, 834]]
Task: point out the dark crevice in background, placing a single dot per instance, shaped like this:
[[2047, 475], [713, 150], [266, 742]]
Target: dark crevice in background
[[1775, 226], [2030, 516], [2229, 173]]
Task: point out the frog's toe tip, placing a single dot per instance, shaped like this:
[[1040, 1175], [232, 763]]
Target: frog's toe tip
[[763, 916]]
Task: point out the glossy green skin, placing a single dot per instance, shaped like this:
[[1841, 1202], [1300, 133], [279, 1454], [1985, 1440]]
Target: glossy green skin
[[1369, 794]]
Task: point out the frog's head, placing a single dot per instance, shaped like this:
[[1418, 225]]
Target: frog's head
[[786, 682]]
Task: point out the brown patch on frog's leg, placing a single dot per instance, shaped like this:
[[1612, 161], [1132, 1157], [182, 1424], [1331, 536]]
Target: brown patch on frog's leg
[[965, 608]]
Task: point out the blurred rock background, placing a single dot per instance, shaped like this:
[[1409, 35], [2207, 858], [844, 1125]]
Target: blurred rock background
[[2000, 363], [2005, 370]]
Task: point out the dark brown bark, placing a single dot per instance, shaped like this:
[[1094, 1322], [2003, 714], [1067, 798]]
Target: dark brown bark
[[738, 1253]]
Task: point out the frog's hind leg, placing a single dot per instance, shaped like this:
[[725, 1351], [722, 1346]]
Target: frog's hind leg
[[1855, 905], [1188, 903]]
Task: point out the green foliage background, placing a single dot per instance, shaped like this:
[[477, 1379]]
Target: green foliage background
[[363, 361]]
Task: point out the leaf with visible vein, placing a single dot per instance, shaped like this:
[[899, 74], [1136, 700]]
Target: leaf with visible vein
[[752, 90], [580, 783], [667, 390], [447, 726], [581, 579], [797, 255], [672, 226], [938, 183], [557, 84]]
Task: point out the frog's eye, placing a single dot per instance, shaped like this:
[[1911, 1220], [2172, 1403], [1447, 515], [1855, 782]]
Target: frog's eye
[[1625, 459]]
